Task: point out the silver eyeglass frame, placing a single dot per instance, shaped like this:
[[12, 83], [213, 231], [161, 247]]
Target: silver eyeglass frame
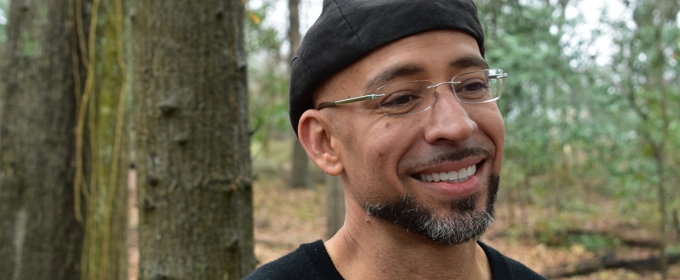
[[502, 75]]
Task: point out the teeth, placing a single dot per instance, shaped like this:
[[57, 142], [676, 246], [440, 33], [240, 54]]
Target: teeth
[[451, 176], [462, 173]]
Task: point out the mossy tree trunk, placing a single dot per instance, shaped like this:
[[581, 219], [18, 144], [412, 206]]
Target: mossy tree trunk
[[39, 235], [192, 147], [102, 150]]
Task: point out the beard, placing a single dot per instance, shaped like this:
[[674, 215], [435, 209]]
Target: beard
[[461, 224]]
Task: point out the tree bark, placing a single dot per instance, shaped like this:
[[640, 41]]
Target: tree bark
[[39, 235], [192, 147]]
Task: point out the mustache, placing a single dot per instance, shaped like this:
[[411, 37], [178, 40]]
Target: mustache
[[454, 156]]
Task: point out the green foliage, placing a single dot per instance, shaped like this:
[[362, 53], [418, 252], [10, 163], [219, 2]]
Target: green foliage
[[260, 38], [559, 232], [591, 242], [570, 126], [552, 105], [267, 79], [644, 74], [551, 231]]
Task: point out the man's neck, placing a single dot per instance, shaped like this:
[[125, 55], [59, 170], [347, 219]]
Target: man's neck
[[368, 248]]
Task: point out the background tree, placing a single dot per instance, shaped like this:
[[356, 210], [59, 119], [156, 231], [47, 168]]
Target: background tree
[[299, 176], [39, 235], [545, 105], [192, 157], [335, 205], [556, 108], [645, 75]]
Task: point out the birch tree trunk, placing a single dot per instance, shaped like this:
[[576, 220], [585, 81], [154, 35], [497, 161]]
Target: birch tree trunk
[[192, 146]]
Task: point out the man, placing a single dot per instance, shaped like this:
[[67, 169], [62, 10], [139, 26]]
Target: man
[[395, 97]]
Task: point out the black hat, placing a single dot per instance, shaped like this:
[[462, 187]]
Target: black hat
[[348, 30]]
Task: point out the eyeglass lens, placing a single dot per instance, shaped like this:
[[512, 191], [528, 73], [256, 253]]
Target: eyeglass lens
[[417, 96]]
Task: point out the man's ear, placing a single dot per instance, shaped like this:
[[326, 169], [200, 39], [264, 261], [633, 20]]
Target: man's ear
[[315, 137]]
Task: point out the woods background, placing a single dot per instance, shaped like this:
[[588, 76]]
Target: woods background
[[191, 96]]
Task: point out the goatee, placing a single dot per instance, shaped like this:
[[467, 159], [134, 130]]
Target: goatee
[[461, 224]]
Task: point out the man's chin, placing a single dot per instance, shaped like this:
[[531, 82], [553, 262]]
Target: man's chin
[[466, 219]]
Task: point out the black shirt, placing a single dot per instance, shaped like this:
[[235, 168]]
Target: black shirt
[[312, 262]]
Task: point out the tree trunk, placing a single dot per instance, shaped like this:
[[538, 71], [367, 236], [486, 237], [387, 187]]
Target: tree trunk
[[102, 150], [299, 176], [294, 26], [192, 146], [661, 192], [335, 205], [39, 235]]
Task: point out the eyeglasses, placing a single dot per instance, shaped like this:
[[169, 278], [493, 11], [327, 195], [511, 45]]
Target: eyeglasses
[[413, 97]]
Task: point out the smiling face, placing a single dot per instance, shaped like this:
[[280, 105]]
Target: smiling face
[[433, 172]]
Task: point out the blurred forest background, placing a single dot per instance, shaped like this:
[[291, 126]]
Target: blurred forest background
[[590, 180], [589, 186]]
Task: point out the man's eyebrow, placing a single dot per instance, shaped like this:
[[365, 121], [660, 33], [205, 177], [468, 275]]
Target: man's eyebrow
[[469, 61], [392, 73]]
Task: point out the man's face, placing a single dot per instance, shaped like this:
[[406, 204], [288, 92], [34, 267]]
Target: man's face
[[386, 158]]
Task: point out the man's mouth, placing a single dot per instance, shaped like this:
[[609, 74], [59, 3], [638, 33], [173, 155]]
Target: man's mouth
[[453, 176]]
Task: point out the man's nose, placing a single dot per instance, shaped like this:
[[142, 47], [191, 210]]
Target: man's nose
[[448, 120]]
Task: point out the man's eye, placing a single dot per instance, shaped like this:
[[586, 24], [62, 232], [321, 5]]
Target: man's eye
[[473, 90], [398, 100], [473, 87]]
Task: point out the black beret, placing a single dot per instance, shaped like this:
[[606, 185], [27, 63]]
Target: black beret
[[348, 30]]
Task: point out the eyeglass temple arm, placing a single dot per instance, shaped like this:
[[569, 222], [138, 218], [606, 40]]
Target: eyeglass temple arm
[[349, 100]]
